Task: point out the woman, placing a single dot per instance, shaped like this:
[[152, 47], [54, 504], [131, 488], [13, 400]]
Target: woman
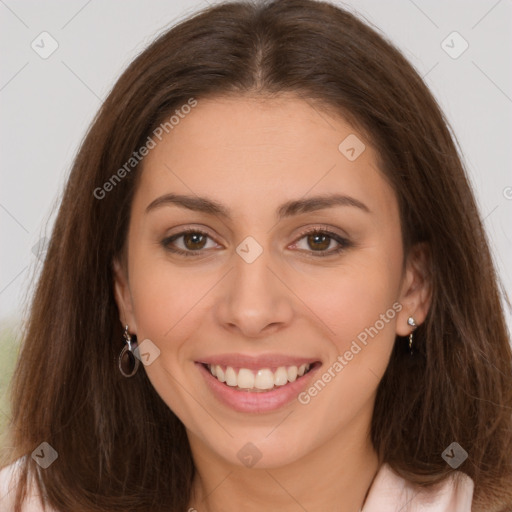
[[269, 213]]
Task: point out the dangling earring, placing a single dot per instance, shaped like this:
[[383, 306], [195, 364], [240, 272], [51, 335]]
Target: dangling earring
[[128, 363], [412, 323]]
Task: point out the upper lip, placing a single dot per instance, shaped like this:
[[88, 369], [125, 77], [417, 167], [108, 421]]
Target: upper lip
[[256, 362]]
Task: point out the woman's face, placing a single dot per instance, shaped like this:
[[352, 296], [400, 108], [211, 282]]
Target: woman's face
[[252, 290]]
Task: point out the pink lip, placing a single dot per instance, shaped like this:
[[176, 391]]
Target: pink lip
[[272, 361], [256, 402]]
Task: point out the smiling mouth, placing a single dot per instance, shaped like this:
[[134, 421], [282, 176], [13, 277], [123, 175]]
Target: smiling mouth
[[261, 380]]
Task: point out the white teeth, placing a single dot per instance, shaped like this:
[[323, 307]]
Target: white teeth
[[292, 373], [219, 373], [263, 379], [231, 378], [281, 376], [245, 378]]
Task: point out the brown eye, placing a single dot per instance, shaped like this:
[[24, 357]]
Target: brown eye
[[194, 241], [318, 241], [188, 243]]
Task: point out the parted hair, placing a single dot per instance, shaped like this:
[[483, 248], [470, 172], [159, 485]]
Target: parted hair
[[120, 446]]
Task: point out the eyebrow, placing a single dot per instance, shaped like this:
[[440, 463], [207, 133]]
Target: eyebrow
[[288, 209]]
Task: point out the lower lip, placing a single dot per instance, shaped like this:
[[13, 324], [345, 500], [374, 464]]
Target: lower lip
[[257, 402]]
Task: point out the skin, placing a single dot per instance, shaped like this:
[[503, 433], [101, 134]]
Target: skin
[[251, 155]]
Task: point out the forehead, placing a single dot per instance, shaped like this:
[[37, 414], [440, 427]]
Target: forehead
[[246, 148]]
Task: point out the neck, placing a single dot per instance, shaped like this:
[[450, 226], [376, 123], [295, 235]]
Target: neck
[[335, 477]]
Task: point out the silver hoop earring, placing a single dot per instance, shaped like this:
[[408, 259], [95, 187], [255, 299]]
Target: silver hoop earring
[[127, 362], [412, 323]]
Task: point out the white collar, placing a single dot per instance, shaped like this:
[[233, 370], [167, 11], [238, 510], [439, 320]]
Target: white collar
[[390, 492]]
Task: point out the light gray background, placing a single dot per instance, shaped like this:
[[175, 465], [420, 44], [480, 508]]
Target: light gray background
[[46, 105]]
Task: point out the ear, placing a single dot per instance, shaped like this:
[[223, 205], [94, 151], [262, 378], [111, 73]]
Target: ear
[[416, 290], [123, 296]]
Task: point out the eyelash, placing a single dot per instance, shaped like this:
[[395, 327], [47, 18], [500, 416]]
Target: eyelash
[[343, 242]]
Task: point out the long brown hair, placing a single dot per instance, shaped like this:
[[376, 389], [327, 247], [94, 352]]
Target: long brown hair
[[119, 445]]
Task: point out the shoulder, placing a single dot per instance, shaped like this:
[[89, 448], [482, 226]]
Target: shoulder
[[389, 492], [8, 485]]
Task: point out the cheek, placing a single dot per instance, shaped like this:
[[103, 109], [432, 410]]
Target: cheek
[[170, 304], [156, 303], [358, 303], [353, 296], [162, 293], [361, 311], [165, 303]]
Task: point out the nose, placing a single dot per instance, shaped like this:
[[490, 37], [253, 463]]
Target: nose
[[255, 300]]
